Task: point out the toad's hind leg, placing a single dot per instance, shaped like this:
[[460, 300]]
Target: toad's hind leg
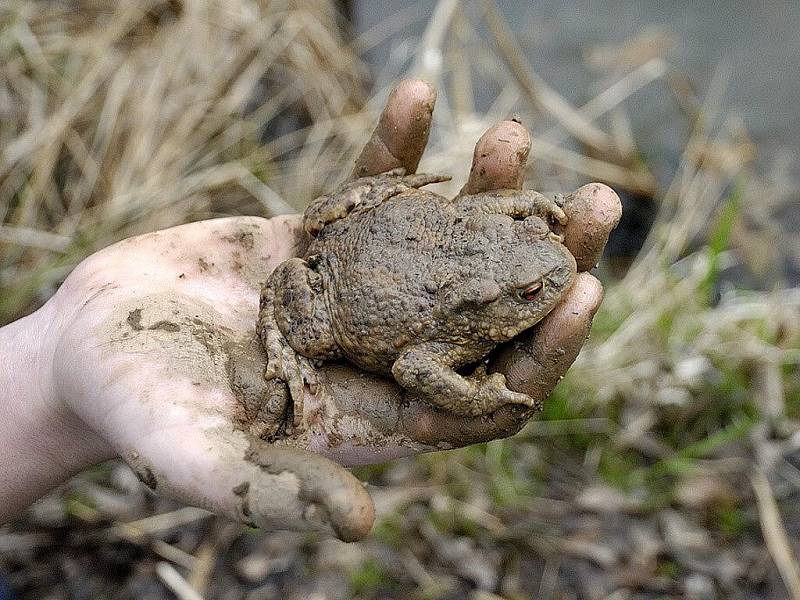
[[363, 193], [293, 327], [517, 204], [418, 180]]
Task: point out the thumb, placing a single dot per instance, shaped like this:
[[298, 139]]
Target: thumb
[[322, 485], [275, 487]]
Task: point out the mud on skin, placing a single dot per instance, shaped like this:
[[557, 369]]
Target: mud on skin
[[319, 493]]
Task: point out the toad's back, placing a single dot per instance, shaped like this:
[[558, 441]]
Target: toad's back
[[380, 270]]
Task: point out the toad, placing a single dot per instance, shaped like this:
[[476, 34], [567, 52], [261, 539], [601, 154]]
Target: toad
[[404, 282]]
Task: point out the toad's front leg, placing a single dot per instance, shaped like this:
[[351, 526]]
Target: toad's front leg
[[427, 370], [294, 329]]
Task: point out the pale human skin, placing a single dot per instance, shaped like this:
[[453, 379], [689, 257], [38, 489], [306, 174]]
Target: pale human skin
[[148, 352]]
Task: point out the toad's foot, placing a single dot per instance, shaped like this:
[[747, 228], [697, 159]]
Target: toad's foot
[[493, 393], [427, 369], [285, 364], [276, 413]]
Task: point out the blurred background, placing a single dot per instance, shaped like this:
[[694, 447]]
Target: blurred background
[[665, 465]]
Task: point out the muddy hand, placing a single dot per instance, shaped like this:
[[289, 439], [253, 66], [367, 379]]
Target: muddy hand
[[150, 347]]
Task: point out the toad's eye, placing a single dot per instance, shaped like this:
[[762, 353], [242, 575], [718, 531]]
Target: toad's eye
[[532, 292]]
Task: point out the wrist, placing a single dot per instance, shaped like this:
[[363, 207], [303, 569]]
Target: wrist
[[42, 442]]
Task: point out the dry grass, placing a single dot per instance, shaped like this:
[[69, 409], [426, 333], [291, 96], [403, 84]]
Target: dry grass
[[126, 117], [658, 461]]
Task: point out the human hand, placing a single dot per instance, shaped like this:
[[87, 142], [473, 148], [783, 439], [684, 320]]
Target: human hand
[[153, 350]]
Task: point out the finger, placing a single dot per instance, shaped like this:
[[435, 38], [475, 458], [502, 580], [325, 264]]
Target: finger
[[593, 211], [499, 159], [274, 487], [402, 131]]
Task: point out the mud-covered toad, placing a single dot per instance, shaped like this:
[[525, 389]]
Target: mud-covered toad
[[402, 281]]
